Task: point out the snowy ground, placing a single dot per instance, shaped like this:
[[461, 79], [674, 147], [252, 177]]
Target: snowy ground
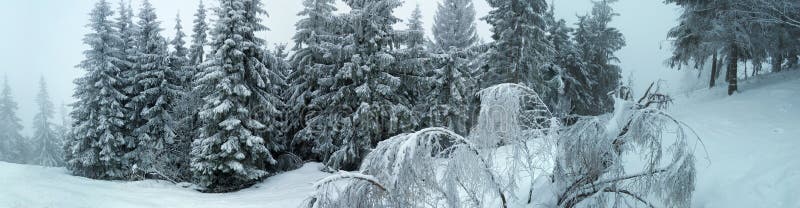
[[37, 187], [753, 143], [753, 140]]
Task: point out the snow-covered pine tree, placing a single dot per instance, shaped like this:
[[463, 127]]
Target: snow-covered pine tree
[[369, 102], [231, 150], [314, 57], [14, 146], [155, 90], [98, 141], [178, 57], [521, 50], [47, 149], [127, 31], [187, 107], [416, 29], [414, 62], [575, 96], [454, 24], [597, 43], [448, 100], [197, 51], [173, 161]]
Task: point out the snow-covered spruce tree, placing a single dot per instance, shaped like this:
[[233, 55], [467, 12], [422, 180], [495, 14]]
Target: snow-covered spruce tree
[[368, 102], [231, 150], [172, 162], [178, 57], [575, 96], [415, 63], [450, 93], [14, 146], [315, 55], [128, 32], [597, 43], [186, 108], [154, 87], [197, 51], [275, 60], [47, 144], [691, 46], [454, 25], [521, 50], [638, 156], [98, 142]]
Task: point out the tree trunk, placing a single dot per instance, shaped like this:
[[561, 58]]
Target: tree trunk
[[732, 74], [777, 63], [714, 71]]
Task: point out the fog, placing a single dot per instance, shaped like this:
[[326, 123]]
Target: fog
[[44, 38]]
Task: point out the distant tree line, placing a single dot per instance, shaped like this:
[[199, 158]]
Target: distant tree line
[[44, 147]]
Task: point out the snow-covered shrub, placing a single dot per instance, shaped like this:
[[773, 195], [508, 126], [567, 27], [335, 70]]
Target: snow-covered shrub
[[433, 167], [637, 157]]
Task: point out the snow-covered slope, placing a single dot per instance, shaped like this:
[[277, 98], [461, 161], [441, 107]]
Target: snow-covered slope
[[753, 142], [23, 186]]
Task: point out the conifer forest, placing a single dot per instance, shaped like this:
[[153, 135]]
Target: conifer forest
[[401, 104]]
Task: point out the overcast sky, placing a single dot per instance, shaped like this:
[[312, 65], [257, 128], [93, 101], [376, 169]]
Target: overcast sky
[[44, 37]]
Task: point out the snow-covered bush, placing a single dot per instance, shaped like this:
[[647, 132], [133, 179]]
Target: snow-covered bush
[[639, 156], [433, 167]]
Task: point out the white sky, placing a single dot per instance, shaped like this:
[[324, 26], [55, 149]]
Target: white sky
[[44, 37]]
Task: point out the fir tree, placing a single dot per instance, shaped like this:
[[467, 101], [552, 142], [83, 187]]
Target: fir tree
[[155, 90], [521, 50], [14, 147], [98, 140], [178, 61], [598, 42], [369, 103], [240, 107], [47, 142], [199, 37], [313, 58], [448, 100], [454, 24], [575, 94]]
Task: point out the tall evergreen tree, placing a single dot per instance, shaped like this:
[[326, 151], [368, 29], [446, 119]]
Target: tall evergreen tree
[[454, 24], [199, 37], [313, 58], [127, 31], [178, 57], [521, 50], [155, 91], [240, 107], [448, 100], [98, 140], [598, 42], [47, 151], [14, 147], [575, 95], [416, 28], [368, 103]]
